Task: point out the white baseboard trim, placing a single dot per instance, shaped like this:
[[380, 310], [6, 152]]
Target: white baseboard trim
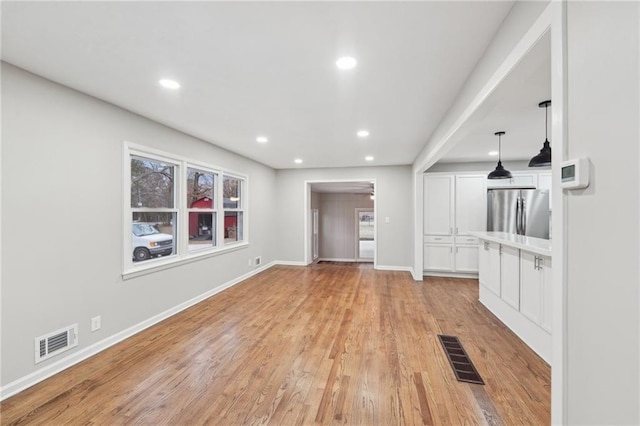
[[337, 259], [41, 374], [470, 275], [289, 263], [394, 268]]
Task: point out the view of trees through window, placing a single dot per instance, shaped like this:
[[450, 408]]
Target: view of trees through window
[[152, 202], [209, 213]]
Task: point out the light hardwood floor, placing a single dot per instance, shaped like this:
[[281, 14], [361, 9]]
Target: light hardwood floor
[[332, 344]]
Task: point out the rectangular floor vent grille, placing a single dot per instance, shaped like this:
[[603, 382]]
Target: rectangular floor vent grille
[[56, 342], [460, 362]]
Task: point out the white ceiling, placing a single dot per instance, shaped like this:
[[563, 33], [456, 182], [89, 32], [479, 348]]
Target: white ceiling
[[512, 108], [266, 68]]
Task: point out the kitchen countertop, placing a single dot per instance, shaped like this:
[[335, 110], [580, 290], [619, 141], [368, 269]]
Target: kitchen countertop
[[530, 244]]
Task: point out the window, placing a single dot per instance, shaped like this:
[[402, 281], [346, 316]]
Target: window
[[154, 217], [201, 196], [233, 214], [179, 209]]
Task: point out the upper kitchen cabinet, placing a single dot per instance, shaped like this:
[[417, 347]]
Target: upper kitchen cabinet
[[470, 204], [438, 205], [518, 180]]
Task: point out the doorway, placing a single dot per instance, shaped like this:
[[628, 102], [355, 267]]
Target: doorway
[[331, 231], [315, 217], [365, 235]]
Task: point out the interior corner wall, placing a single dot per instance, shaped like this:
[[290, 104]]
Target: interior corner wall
[[602, 221], [393, 200], [62, 229], [338, 224]]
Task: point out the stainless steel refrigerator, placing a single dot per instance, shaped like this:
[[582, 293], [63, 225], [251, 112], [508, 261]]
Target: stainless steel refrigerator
[[518, 211]]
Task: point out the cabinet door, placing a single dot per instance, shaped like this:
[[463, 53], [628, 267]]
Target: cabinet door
[[438, 205], [518, 180], [438, 257], [530, 288], [466, 259], [510, 276], [489, 262], [470, 204], [547, 295], [524, 180]]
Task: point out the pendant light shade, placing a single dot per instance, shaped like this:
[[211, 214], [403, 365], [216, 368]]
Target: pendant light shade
[[544, 156], [500, 172]]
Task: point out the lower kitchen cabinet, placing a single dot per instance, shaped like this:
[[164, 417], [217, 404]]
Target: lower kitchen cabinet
[[516, 286], [438, 257], [489, 266], [466, 258], [535, 284], [510, 275]]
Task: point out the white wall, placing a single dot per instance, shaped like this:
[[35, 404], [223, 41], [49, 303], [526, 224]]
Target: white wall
[[393, 200], [602, 226], [62, 230], [337, 224]]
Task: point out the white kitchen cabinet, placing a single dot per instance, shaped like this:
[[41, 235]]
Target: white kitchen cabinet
[[535, 283], [489, 265], [466, 258], [453, 206], [438, 205], [470, 204], [547, 293], [517, 180], [523, 302], [531, 287], [510, 275], [438, 257]]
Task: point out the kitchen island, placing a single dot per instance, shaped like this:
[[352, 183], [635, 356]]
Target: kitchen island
[[515, 285]]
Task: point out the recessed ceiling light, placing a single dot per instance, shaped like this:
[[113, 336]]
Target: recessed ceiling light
[[169, 84], [363, 133], [493, 153], [298, 161], [262, 139], [369, 158], [346, 63]]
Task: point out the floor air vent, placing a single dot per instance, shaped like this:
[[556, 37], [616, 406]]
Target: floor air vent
[[57, 342], [462, 366]]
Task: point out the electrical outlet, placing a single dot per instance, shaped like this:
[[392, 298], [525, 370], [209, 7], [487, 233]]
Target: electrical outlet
[[249, 263], [95, 323]]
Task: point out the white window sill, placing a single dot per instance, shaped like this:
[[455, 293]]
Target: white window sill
[[156, 265]]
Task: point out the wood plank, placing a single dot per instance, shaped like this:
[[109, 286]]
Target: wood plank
[[324, 344]]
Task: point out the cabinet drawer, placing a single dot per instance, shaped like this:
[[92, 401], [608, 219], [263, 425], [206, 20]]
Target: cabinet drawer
[[467, 240], [443, 239]]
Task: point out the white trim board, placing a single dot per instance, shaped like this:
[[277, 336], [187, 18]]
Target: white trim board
[[469, 275], [394, 268], [78, 356]]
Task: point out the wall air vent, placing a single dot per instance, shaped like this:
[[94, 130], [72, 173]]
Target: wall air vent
[[56, 342], [258, 260]]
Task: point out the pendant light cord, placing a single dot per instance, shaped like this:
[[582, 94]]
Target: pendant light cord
[[500, 148], [546, 122]]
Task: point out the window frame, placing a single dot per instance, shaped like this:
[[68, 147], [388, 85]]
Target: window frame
[[131, 269], [239, 209], [214, 210]]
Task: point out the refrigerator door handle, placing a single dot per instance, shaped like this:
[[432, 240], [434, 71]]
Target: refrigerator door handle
[[518, 215], [523, 219]]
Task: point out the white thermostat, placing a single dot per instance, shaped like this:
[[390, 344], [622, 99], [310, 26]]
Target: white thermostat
[[575, 173]]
